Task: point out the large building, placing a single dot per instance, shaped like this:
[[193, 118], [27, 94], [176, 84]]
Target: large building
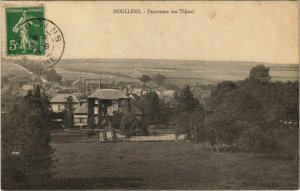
[[105, 103]]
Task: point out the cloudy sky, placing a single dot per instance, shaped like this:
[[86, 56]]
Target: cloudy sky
[[230, 31]]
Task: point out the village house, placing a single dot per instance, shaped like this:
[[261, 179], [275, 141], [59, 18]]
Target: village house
[[105, 103], [59, 102], [58, 105], [165, 95], [81, 114]]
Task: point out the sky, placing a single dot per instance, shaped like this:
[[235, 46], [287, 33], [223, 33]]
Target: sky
[[219, 30]]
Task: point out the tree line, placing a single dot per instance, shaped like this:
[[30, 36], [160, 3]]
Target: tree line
[[254, 115]]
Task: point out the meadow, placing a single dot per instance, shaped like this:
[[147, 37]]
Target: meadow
[[165, 165], [178, 72]]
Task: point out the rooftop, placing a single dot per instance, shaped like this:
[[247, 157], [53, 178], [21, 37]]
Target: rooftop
[[108, 94], [83, 109], [61, 98]]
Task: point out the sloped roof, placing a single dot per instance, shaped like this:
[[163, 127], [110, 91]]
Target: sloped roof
[[61, 98], [83, 109], [108, 94]]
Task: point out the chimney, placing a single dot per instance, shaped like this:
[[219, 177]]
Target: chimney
[[99, 83], [84, 87]]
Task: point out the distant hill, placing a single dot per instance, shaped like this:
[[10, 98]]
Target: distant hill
[[13, 69], [177, 71]]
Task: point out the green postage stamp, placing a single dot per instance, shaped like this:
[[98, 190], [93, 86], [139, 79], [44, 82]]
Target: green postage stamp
[[25, 33]]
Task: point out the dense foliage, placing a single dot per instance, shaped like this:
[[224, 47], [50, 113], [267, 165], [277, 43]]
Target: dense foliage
[[145, 78], [158, 79], [132, 125], [255, 115], [27, 156]]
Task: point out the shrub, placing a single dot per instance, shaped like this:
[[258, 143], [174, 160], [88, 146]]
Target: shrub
[[251, 140]]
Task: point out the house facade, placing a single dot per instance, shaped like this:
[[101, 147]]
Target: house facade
[[60, 101], [58, 105], [80, 116], [105, 103]]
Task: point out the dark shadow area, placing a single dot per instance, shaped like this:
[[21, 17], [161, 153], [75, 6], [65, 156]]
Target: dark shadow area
[[94, 183], [99, 183]]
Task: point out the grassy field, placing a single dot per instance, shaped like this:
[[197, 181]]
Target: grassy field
[[165, 165], [177, 71]]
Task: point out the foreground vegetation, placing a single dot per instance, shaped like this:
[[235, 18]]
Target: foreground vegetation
[[26, 155], [169, 165], [254, 115]]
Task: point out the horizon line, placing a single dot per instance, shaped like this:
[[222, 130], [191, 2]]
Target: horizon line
[[160, 59], [189, 60]]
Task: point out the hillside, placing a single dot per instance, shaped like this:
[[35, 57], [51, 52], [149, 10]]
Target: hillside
[[9, 68], [177, 71]]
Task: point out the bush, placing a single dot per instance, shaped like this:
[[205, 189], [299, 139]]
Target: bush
[[116, 120], [289, 143], [251, 140], [128, 124], [142, 127]]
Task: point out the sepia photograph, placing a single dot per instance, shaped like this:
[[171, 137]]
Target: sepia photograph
[[149, 95]]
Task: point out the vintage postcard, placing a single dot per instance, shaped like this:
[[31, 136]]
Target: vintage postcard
[[149, 95]]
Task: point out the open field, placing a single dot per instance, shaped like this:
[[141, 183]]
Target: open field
[[178, 72], [165, 165]]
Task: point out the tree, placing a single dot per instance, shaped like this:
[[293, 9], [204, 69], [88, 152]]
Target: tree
[[289, 143], [128, 124], [253, 113], [182, 124], [142, 126], [131, 125], [196, 127], [241, 105], [51, 75], [166, 112], [68, 113], [223, 129], [158, 78], [186, 101], [260, 73], [251, 140], [27, 157], [151, 107], [190, 124], [219, 94], [116, 120], [145, 78]]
